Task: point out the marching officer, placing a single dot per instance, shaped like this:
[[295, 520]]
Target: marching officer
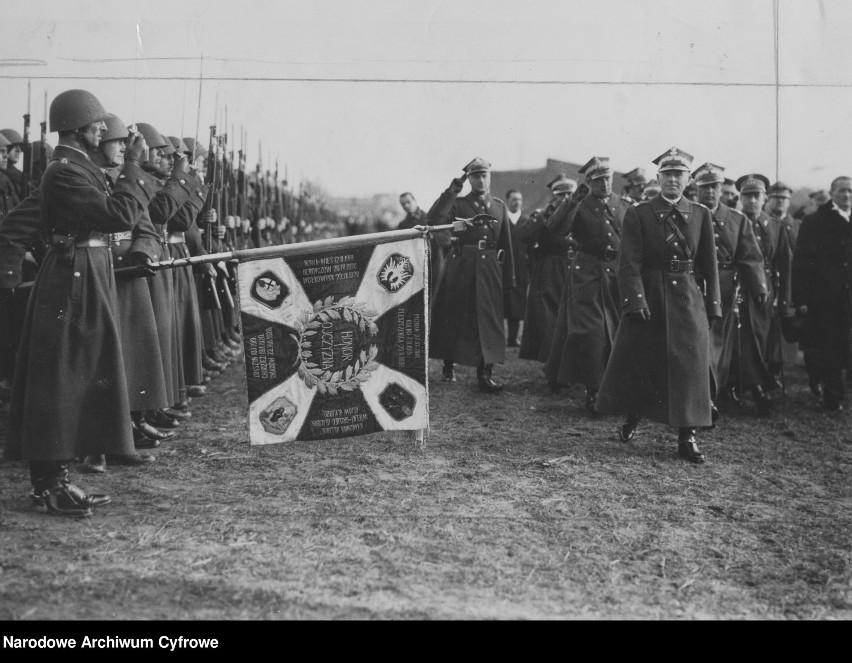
[[588, 315], [822, 287], [549, 264], [757, 361], [668, 290], [467, 310], [70, 362], [741, 276]]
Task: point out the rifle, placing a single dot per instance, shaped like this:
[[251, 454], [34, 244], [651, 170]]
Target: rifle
[[43, 156], [27, 176], [210, 298]]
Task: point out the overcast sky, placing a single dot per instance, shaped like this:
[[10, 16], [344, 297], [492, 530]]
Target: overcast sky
[[386, 96]]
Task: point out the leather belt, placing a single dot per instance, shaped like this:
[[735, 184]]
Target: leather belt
[[675, 265], [121, 237], [94, 239], [726, 265], [607, 254], [176, 238], [481, 245]]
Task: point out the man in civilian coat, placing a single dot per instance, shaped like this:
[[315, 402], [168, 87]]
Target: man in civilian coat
[[822, 287], [467, 310], [757, 360], [588, 315], [668, 286], [70, 395], [741, 274], [515, 302]]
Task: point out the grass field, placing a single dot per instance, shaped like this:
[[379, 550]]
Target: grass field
[[517, 506]]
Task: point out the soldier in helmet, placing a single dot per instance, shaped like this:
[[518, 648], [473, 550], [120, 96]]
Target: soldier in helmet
[[548, 269], [757, 361], [668, 291], [16, 149], [467, 310], [588, 315], [740, 272], [8, 192], [69, 398], [143, 364]]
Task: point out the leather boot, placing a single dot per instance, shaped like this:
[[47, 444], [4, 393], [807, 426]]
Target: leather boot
[[762, 400], [142, 441], [148, 430], [448, 374], [591, 400], [628, 429], [94, 464], [51, 489], [487, 384], [160, 419], [687, 446]]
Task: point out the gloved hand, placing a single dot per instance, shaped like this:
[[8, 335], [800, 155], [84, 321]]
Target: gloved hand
[[142, 263], [580, 192], [136, 148], [181, 163], [457, 184], [210, 269], [232, 221], [210, 216], [220, 232], [642, 315]]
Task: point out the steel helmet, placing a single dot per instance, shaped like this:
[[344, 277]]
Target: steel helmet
[[152, 137], [73, 109], [12, 136], [116, 129]]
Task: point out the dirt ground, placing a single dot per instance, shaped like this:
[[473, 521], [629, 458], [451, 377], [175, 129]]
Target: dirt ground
[[517, 506]]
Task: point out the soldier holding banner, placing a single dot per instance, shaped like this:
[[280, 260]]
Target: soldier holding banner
[[467, 310]]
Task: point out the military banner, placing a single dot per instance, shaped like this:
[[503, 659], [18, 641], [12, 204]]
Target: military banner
[[335, 341]]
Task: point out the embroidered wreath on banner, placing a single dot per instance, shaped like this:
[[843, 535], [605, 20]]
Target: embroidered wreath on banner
[[327, 319]]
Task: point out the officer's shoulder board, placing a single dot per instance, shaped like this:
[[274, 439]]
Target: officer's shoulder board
[[498, 200], [700, 205]]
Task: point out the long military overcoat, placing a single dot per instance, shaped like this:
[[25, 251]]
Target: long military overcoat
[[660, 368], [588, 315], [467, 309], [758, 350], [187, 311], [549, 264], [70, 395], [740, 264], [143, 362]]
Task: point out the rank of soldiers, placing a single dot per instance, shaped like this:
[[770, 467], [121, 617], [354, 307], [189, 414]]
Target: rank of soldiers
[[686, 289]]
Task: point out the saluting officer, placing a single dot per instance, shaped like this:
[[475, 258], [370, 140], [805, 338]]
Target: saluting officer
[[70, 395], [757, 361], [588, 315], [549, 264], [669, 288], [467, 310], [741, 274]]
